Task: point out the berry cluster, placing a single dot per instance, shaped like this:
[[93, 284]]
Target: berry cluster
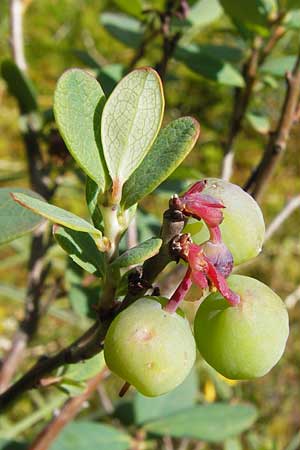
[[241, 326]]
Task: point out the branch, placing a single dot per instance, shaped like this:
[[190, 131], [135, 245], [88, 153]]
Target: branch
[[41, 240], [241, 101], [69, 410], [293, 298], [279, 138], [85, 347], [16, 33], [276, 223], [91, 342], [242, 97]]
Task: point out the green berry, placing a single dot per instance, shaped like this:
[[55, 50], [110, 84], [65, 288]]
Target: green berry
[[243, 227], [150, 348], [243, 341]]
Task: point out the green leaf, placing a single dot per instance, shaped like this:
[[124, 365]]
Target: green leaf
[[87, 59], [80, 435], [125, 29], [204, 12], [138, 254], [15, 221], [292, 4], [109, 76], [20, 87], [184, 396], [84, 300], [210, 62], [78, 104], [12, 445], [130, 122], [172, 145], [84, 370], [292, 20], [134, 7], [82, 249], [212, 423], [251, 13], [54, 214], [92, 191], [279, 66], [259, 122]]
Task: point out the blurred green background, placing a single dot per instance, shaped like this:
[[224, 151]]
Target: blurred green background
[[59, 34]]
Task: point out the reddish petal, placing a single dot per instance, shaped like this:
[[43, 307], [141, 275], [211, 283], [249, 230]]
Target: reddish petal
[[196, 187], [220, 283], [180, 292], [199, 279], [212, 215]]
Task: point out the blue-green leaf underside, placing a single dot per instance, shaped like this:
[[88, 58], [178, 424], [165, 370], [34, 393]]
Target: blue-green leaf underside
[[131, 120], [78, 104], [55, 214], [171, 147]]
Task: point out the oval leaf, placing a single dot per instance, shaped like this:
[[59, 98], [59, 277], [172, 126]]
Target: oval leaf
[[209, 63], [20, 87], [78, 104], [131, 120], [55, 214], [212, 423], [138, 254], [15, 221], [125, 29], [82, 248], [184, 396], [172, 145], [81, 435], [279, 66]]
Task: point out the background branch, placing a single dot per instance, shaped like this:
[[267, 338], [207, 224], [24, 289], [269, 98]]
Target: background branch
[[67, 413], [260, 50], [16, 33], [276, 223], [279, 138]]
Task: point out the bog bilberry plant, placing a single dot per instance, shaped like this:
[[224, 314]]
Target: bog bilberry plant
[[241, 326]]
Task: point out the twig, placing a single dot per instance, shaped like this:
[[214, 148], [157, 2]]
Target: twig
[[69, 410], [41, 240], [279, 138], [16, 33], [86, 346], [27, 328], [91, 342], [242, 97], [276, 223], [293, 298], [241, 100]]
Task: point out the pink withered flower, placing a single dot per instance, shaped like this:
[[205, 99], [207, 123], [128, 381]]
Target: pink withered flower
[[201, 206], [210, 263]]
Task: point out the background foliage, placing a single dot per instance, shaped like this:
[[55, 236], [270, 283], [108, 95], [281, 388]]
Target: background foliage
[[200, 79]]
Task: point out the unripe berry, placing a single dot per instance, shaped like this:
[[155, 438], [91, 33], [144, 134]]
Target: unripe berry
[[150, 348], [243, 341], [243, 227]]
